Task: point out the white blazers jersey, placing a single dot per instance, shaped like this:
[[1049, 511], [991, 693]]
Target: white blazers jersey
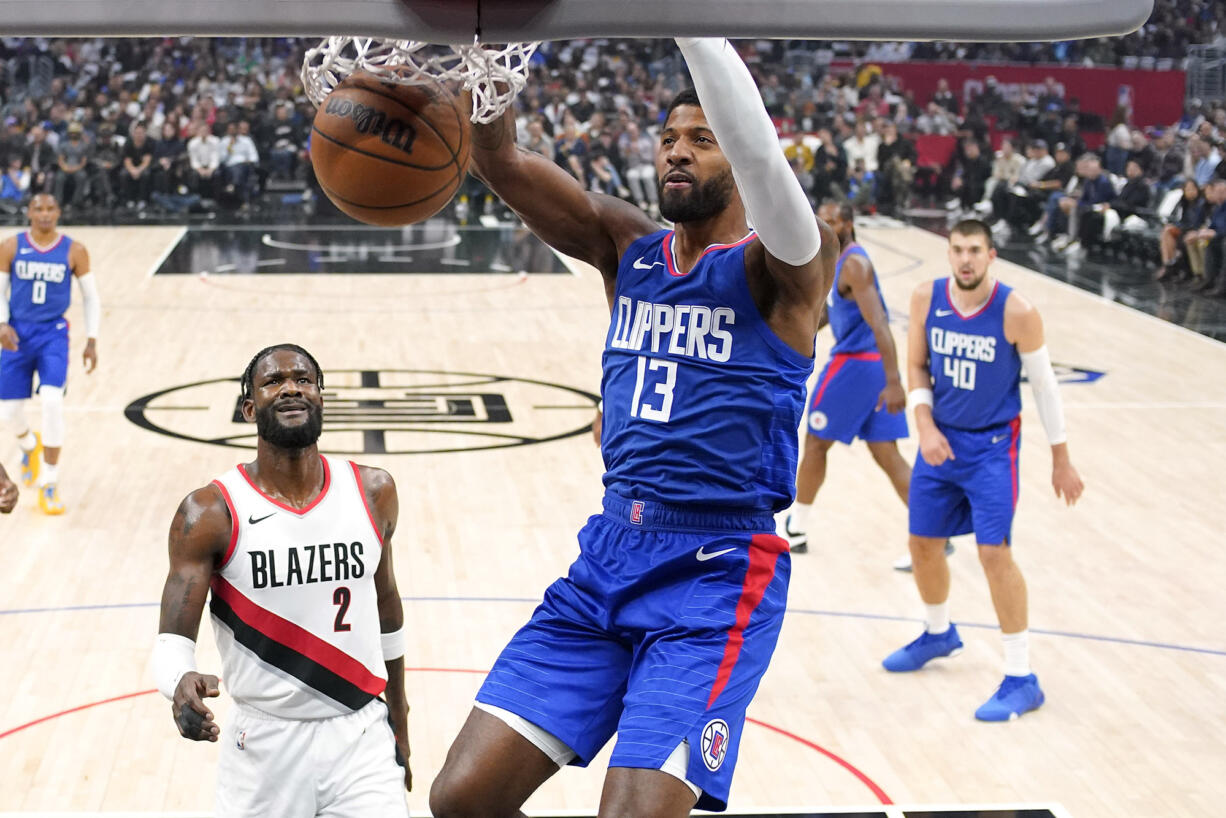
[[294, 604]]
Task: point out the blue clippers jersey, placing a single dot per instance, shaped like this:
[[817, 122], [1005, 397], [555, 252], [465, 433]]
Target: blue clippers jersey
[[975, 372], [701, 399], [851, 332], [40, 281]]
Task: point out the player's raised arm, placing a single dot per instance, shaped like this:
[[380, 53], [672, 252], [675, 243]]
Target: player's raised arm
[[381, 495], [858, 274], [553, 204], [1024, 329], [199, 539], [776, 205]]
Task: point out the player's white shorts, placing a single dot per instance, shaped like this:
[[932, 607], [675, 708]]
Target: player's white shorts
[[343, 767]]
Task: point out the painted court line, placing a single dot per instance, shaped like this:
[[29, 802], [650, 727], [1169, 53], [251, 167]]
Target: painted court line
[[1092, 637]]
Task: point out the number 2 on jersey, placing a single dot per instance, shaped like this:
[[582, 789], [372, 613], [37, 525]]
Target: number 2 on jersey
[[962, 373], [664, 388], [341, 597]]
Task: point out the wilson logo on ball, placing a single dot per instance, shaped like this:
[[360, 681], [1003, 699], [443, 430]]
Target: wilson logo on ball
[[366, 120]]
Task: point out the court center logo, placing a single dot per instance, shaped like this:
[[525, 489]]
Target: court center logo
[[715, 737], [386, 411]]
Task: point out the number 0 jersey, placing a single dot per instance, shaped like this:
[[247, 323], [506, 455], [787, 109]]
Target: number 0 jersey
[[975, 371], [40, 280], [701, 399], [294, 605]]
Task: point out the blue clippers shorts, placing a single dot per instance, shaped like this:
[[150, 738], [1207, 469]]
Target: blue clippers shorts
[[42, 347], [844, 404], [976, 491], [660, 632]]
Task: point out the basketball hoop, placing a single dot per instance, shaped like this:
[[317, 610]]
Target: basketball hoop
[[494, 74]]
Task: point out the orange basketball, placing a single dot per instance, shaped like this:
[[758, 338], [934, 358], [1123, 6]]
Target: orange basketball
[[389, 154]]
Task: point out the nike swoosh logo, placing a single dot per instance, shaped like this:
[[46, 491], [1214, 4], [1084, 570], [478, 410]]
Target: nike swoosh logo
[[639, 265], [998, 438], [252, 520], [943, 313], [703, 556]]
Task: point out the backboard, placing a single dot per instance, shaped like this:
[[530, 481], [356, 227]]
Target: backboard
[[459, 21]]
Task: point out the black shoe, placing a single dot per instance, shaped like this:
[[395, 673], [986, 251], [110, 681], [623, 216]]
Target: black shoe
[[798, 541]]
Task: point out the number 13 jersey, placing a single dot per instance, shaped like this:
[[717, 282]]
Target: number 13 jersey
[[975, 370], [294, 605], [701, 399]]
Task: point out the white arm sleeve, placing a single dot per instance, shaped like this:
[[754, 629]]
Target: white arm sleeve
[[4, 297], [1046, 393], [777, 206], [93, 307], [173, 655]]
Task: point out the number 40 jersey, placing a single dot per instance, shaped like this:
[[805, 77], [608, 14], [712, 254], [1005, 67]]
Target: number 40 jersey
[[975, 371], [701, 399]]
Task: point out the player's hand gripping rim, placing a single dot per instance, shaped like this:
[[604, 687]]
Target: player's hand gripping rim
[[192, 717]]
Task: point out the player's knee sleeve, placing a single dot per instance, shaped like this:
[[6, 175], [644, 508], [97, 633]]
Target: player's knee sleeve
[[53, 415], [12, 415]]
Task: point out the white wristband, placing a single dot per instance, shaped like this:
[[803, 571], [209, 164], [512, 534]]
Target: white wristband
[[173, 656], [393, 644], [916, 397]]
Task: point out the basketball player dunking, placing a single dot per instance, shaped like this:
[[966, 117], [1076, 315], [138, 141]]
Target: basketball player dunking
[[668, 618], [969, 337], [37, 268], [859, 393], [296, 549]]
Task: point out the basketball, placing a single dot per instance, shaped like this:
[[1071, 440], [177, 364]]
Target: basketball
[[389, 154]]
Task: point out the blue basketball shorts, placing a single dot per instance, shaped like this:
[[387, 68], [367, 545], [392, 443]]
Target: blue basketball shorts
[[844, 404], [974, 492], [660, 632], [42, 347]]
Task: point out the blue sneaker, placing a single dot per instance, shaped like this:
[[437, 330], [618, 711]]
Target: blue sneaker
[[929, 646], [1015, 696]]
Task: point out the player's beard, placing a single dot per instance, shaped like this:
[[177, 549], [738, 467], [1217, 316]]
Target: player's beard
[[971, 284], [700, 202], [272, 430]]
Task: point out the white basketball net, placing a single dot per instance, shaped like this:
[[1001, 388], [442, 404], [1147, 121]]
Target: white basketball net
[[494, 74]]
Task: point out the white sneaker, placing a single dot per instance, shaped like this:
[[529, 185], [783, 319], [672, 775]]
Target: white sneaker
[[1060, 242], [1037, 228], [953, 204], [983, 207], [1073, 248], [903, 563]]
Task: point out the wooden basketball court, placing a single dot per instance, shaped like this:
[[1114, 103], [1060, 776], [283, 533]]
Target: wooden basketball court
[[1126, 600]]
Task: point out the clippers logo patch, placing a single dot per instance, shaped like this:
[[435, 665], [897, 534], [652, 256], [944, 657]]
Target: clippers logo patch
[[817, 420], [636, 512], [714, 743]]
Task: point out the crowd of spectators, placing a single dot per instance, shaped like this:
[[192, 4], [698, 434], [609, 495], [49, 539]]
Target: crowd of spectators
[[173, 124]]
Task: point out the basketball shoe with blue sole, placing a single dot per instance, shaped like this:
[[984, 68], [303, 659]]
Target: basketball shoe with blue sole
[[1015, 696], [923, 650]]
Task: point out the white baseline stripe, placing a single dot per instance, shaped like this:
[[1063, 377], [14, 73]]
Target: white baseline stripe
[[170, 248]]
